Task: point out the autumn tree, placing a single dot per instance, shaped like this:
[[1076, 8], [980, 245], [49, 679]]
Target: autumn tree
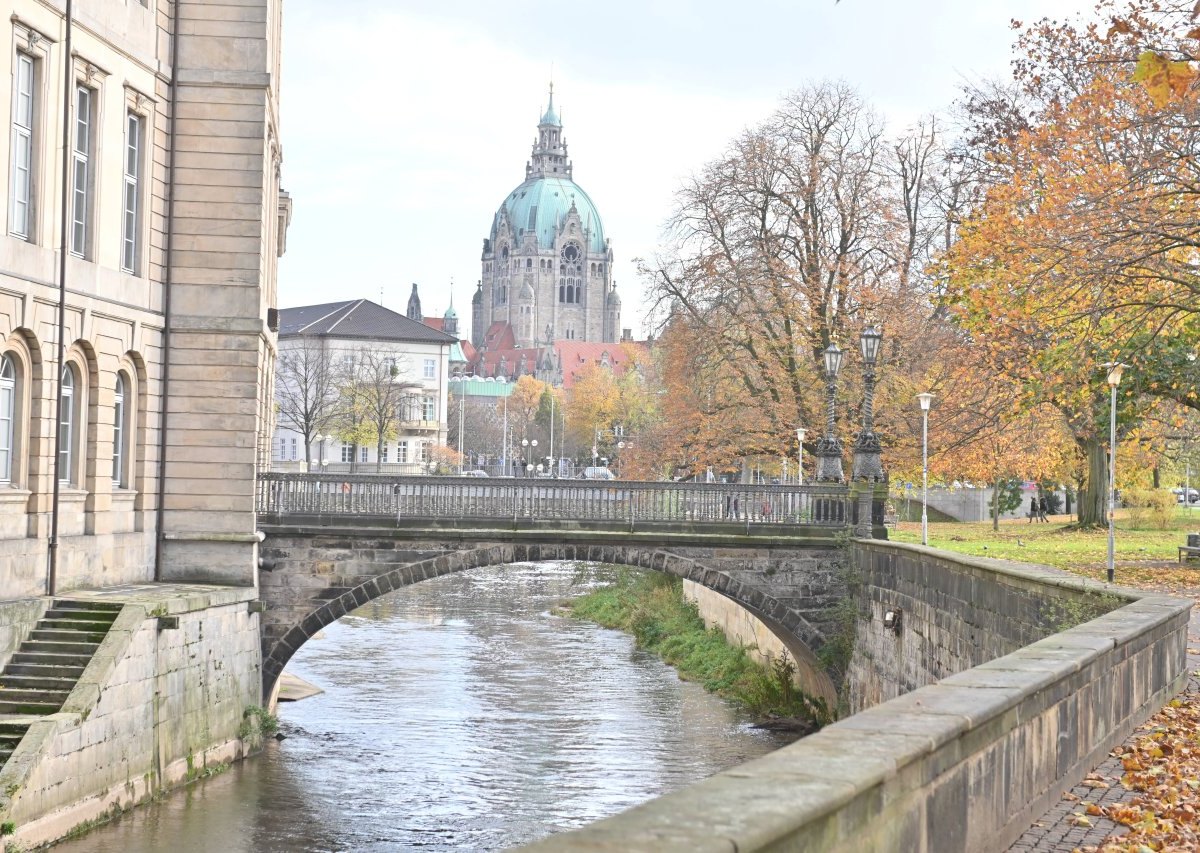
[[373, 391], [306, 392]]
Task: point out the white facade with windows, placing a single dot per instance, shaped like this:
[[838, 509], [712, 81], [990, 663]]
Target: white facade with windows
[[353, 337], [125, 512]]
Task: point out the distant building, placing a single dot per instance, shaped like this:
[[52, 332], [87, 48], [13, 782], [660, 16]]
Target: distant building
[[546, 268], [351, 338]]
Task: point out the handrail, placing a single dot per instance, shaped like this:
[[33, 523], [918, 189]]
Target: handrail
[[624, 502]]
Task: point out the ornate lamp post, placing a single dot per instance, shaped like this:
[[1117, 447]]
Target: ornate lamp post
[[829, 448], [1114, 379], [868, 465], [926, 398]]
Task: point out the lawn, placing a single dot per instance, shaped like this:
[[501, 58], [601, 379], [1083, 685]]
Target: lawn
[[1145, 557]]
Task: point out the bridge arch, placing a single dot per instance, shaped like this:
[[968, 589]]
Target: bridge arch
[[298, 604]]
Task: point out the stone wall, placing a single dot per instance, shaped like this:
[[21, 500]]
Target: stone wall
[[162, 699], [742, 628], [963, 764], [17, 619], [956, 613]]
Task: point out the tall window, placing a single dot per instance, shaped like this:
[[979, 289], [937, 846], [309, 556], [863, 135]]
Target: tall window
[[362, 453], [8, 411], [430, 369], [119, 432], [81, 155], [423, 451], [383, 453], [402, 451], [347, 452], [131, 215], [20, 216], [428, 409], [67, 428]]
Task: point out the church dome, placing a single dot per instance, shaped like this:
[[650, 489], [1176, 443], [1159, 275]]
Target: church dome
[[541, 203], [450, 314]]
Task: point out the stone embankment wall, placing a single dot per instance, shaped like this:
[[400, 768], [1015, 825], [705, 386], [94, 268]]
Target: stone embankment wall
[[962, 764], [162, 699], [741, 627]]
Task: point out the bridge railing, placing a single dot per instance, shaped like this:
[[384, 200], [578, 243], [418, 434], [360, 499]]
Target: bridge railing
[[374, 496]]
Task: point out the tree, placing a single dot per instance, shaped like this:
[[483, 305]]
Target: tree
[[306, 389], [373, 394]]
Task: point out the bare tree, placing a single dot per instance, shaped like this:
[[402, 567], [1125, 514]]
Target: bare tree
[[375, 387], [306, 389]]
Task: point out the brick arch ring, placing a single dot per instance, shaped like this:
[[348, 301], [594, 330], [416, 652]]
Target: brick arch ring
[[802, 639]]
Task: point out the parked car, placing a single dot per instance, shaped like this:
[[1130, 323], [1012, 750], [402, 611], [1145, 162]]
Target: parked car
[[475, 473], [597, 472], [1193, 495]]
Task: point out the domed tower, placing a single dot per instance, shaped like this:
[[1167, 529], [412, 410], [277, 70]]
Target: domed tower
[[450, 319], [612, 315], [547, 235]]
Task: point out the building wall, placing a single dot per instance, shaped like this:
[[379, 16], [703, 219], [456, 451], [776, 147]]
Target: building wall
[[223, 193], [287, 451]]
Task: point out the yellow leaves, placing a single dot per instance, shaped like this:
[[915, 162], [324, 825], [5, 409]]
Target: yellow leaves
[[1163, 78]]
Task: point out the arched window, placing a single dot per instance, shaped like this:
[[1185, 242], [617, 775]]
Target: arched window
[[68, 427], [562, 293], [8, 414], [120, 432], [529, 263]]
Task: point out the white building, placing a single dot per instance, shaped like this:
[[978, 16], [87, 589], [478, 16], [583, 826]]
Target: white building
[[166, 267], [345, 369]]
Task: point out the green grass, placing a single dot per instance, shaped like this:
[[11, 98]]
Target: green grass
[[652, 608], [1139, 553]]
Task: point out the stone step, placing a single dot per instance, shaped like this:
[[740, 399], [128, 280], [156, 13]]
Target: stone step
[[59, 647], [45, 670], [100, 628], [6, 753], [19, 694], [9, 731], [29, 708], [61, 635], [70, 604], [37, 656], [79, 618], [37, 682]]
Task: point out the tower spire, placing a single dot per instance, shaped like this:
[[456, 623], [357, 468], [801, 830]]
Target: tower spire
[[549, 158]]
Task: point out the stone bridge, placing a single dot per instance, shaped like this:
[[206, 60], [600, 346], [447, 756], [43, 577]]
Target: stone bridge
[[333, 543]]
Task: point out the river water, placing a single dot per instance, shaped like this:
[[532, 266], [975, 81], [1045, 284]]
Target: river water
[[459, 714]]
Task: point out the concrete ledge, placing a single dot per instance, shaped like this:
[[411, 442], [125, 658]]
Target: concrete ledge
[[962, 764]]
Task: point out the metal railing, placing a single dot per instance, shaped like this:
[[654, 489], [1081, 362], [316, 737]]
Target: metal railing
[[370, 496]]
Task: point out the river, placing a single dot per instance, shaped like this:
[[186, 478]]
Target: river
[[459, 714]]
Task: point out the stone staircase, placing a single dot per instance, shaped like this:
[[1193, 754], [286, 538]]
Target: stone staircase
[[41, 673]]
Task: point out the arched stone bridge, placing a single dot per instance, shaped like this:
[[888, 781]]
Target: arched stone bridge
[[333, 543]]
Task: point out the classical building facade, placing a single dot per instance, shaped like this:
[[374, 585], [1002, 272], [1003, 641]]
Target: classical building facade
[[547, 264], [174, 218]]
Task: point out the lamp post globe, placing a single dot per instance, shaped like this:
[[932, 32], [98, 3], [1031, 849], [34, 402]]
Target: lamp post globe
[[1115, 369], [925, 398]]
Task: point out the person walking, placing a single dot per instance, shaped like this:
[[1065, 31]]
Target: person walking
[[1043, 509], [1033, 508]]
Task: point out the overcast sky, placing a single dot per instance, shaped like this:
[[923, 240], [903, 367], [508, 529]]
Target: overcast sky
[[405, 125]]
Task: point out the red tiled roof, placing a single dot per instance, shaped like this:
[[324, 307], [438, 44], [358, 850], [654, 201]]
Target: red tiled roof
[[434, 323], [576, 355]]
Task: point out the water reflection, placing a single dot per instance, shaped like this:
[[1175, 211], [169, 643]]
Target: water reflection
[[459, 714]]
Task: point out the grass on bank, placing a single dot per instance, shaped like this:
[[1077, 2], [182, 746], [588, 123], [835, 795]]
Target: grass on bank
[[652, 608], [1139, 553]]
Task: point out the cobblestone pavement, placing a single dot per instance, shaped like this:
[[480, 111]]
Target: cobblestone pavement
[[1056, 830]]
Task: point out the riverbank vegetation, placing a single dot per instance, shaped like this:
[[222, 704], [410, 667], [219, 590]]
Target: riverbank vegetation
[[653, 609]]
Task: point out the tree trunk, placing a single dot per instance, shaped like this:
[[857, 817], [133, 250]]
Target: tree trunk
[[1092, 495], [996, 505]]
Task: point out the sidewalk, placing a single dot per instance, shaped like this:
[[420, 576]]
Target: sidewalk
[[1067, 826]]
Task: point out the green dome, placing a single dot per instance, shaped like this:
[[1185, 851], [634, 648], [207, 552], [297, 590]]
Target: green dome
[[541, 203], [450, 314]]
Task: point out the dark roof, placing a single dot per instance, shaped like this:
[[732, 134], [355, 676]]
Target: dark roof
[[357, 318]]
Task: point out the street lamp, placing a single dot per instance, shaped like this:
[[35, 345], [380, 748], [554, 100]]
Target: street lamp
[[620, 447], [829, 448], [868, 465], [800, 433], [926, 398], [1114, 379]]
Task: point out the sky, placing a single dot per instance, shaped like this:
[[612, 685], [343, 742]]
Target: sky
[[405, 125]]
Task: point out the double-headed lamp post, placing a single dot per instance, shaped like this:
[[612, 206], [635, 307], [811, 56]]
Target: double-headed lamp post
[[800, 433], [1114, 379], [868, 464], [829, 448], [926, 398]]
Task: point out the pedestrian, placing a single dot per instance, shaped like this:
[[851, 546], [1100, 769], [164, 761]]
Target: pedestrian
[[1043, 509], [1033, 508]]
